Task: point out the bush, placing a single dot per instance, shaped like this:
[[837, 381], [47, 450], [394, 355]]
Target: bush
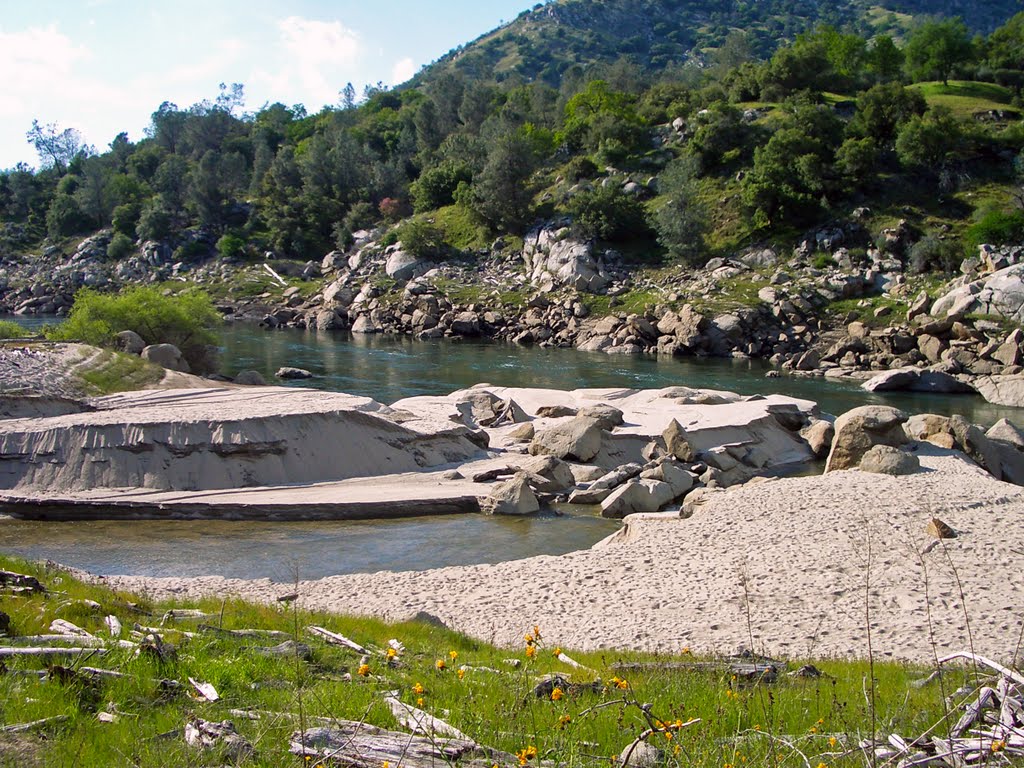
[[436, 187], [579, 168], [608, 214], [11, 330], [421, 239], [64, 217], [120, 247], [681, 221], [997, 228], [154, 221], [823, 261], [360, 216], [230, 246], [933, 255], [126, 218], [187, 320]]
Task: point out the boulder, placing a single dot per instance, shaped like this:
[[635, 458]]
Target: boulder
[[554, 259], [512, 497], [608, 416], [1001, 293], [555, 411], [167, 355], [129, 342], [523, 433], [1003, 389], [858, 430], [404, 266], [886, 460], [578, 439], [956, 433], [819, 437], [1007, 432], [600, 489], [250, 378], [679, 479], [548, 474], [288, 372], [676, 443], [644, 495], [916, 380]]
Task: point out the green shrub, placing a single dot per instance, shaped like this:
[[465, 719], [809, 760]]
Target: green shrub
[[436, 187], [608, 214], [421, 239], [823, 261], [997, 228], [933, 255], [187, 320], [579, 168], [125, 218], [120, 247], [11, 330], [230, 246]]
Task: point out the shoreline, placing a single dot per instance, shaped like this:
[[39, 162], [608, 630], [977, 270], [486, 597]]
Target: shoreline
[[784, 561]]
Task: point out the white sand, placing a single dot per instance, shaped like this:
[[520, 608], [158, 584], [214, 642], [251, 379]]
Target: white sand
[[820, 557]]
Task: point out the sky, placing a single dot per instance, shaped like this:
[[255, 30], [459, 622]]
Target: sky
[[104, 66]]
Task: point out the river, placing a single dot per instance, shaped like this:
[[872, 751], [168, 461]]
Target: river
[[388, 369]]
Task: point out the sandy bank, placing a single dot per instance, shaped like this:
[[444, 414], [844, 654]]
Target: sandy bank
[[793, 563]]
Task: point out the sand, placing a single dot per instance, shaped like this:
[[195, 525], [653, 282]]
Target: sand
[[796, 567]]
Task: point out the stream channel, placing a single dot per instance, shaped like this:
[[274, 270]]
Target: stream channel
[[388, 369]]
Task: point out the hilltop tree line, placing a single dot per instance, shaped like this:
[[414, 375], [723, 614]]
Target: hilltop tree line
[[299, 184]]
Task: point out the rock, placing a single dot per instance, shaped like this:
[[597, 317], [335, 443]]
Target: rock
[[676, 443], [601, 488], [886, 460], [555, 411], [129, 342], [522, 433], [916, 380], [404, 266], [578, 439], [1005, 389], [919, 306], [220, 737], [641, 754], [939, 530], [287, 372], [548, 474], [975, 444], [1001, 293], [1007, 432], [636, 496], [672, 472], [858, 430], [819, 437], [608, 416], [250, 378], [555, 259], [167, 355], [512, 497]]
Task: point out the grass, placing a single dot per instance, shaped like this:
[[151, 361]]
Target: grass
[[11, 330], [964, 98], [819, 720], [111, 372]]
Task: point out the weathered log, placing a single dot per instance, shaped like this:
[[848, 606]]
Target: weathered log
[[418, 721], [287, 649], [206, 690], [255, 634], [745, 670], [359, 745], [78, 641], [113, 625], [160, 630], [21, 581], [62, 627], [335, 639], [34, 725], [184, 614], [206, 735], [49, 651], [1004, 671]]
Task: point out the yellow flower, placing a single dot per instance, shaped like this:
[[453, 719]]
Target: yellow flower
[[440, 664], [679, 723], [822, 765], [531, 651], [622, 684], [536, 631], [668, 735], [364, 670], [832, 741], [686, 650], [821, 721], [998, 746], [757, 727], [557, 652], [461, 673], [391, 653], [453, 655], [813, 729], [557, 694], [419, 702], [563, 721], [417, 689], [385, 764], [527, 753], [528, 638]]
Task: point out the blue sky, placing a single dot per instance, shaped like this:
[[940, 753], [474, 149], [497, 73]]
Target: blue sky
[[103, 66]]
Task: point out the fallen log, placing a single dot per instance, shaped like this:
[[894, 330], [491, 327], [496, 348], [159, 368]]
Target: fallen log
[[359, 745], [418, 721], [6, 652], [250, 634], [20, 581], [62, 627], [35, 724], [184, 614], [78, 641], [335, 639], [744, 670]]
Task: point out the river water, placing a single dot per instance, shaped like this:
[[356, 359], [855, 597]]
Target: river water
[[388, 369]]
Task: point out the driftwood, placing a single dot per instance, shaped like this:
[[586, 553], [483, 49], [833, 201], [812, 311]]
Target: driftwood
[[418, 721], [20, 581], [205, 690], [34, 725], [6, 652], [287, 649], [251, 634], [78, 641], [184, 614], [113, 625], [359, 745], [143, 630], [62, 627], [335, 639], [205, 735], [743, 670]]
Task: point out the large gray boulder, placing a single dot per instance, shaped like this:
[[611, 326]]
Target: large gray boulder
[[548, 474], [129, 342], [644, 495], [250, 378], [886, 460], [1001, 293], [512, 497], [404, 266], [578, 439], [1001, 390], [167, 355], [916, 380], [556, 260], [862, 428]]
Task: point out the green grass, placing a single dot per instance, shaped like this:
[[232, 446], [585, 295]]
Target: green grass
[[111, 372], [11, 330], [461, 230], [964, 98], [737, 722]]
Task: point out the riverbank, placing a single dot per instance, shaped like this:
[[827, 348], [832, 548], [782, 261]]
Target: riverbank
[[799, 567]]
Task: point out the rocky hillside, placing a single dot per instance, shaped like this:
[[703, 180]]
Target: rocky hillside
[[543, 43]]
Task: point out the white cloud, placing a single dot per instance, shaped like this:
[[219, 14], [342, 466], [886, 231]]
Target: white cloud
[[318, 54], [402, 70], [35, 62]]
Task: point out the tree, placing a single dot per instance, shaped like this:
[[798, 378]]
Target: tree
[[927, 142], [608, 214], [681, 221], [885, 60], [881, 110], [501, 192], [56, 148], [936, 47], [788, 179], [347, 96]]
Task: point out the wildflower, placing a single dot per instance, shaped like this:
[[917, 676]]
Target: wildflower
[[677, 749], [528, 638], [686, 650], [419, 702], [536, 631], [821, 721], [832, 741], [531, 651], [813, 729], [391, 653], [999, 746], [822, 765], [364, 670], [557, 652], [385, 764], [440, 664], [757, 726], [527, 753], [557, 694], [563, 721], [453, 655], [727, 765], [678, 724], [461, 673], [668, 735], [417, 689], [618, 682]]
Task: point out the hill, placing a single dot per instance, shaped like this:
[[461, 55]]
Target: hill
[[546, 41]]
